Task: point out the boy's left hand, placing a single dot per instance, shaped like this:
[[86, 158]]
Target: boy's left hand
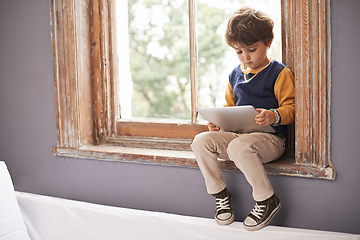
[[264, 117]]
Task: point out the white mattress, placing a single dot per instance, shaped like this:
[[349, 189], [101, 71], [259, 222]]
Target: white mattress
[[49, 218]]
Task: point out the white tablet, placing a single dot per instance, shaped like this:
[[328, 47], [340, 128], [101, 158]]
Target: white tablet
[[239, 119]]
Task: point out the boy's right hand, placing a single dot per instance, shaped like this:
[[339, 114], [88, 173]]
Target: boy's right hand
[[212, 127]]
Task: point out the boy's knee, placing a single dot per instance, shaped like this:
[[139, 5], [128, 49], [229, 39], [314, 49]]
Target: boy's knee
[[202, 140], [238, 147], [199, 139]]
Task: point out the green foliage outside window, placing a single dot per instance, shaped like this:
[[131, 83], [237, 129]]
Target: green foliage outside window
[[160, 61]]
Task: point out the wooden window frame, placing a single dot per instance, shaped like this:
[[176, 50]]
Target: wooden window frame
[[84, 77]]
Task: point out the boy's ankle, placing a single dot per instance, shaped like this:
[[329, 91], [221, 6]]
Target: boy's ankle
[[223, 193]]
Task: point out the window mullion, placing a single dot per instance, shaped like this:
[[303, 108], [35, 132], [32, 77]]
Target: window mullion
[[193, 59]]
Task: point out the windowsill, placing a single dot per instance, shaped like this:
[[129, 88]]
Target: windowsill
[[284, 166]]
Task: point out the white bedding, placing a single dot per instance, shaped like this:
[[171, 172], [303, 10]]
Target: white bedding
[[12, 226], [49, 218]]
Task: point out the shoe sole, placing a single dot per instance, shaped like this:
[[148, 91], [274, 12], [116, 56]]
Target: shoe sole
[[225, 222], [263, 224]]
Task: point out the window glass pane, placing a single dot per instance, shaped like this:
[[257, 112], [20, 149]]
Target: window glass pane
[[153, 51], [215, 59], [154, 74]]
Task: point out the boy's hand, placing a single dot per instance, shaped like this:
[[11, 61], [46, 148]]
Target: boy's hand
[[212, 127], [264, 117]]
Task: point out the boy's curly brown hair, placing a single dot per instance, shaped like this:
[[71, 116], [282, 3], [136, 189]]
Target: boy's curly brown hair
[[248, 26]]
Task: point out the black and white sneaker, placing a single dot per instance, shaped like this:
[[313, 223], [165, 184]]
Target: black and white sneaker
[[223, 213], [262, 213]]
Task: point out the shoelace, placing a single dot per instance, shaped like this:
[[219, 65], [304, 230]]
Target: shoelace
[[222, 204], [258, 210]]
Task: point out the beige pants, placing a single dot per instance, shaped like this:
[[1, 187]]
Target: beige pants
[[247, 151]]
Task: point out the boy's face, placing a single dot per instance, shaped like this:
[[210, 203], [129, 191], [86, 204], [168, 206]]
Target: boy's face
[[253, 56]]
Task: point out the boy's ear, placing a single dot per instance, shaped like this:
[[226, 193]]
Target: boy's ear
[[268, 43]]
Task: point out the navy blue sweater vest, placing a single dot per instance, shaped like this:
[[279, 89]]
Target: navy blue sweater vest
[[258, 91]]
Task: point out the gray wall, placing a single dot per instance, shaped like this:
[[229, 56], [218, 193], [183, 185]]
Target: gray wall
[[27, 134]]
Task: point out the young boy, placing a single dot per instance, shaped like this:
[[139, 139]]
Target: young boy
[[266, 84]]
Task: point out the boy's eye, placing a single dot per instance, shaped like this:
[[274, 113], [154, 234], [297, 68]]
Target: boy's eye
[[252, 50], [239, 52]]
